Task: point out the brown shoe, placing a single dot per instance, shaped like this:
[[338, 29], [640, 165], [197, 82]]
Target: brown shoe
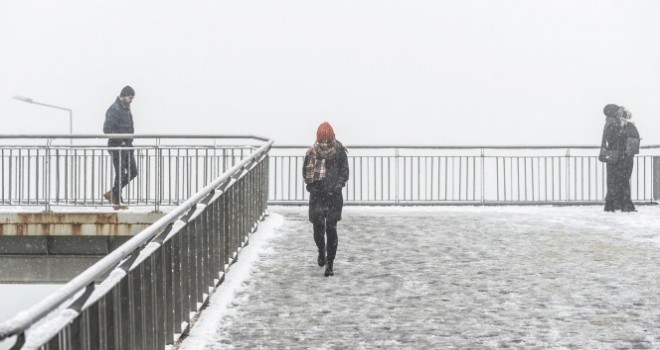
[[119, 206], [108, 196]]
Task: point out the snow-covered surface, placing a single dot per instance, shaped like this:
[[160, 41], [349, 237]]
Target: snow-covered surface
[[441, 278]]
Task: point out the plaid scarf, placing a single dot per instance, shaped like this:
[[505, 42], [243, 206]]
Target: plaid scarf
[[316, 167]]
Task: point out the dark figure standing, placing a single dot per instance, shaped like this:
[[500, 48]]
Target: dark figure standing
[[631, 147], [119, 120], [325, 171], [619, 135]]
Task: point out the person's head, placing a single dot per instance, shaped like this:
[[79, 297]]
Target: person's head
[[126, 95], [325, 133], [625, 114], [611, 110]]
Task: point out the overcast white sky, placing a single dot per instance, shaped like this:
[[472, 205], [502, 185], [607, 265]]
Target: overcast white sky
[[381, 71]]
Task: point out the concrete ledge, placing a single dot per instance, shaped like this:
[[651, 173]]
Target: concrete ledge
[[60, 245], [69, 233], [76, 224]]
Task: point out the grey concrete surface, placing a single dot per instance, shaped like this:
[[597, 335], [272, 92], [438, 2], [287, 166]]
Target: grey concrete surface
[[455, 278]]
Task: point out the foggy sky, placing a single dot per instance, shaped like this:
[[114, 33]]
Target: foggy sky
[[382, 72]]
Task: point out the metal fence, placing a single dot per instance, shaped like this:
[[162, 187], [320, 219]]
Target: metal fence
[[46, 170], [159, 278], [388, 175]]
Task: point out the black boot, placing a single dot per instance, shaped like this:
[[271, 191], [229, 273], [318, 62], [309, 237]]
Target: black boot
[[630, 208], [328, 269], [609, 206], [321, 258]]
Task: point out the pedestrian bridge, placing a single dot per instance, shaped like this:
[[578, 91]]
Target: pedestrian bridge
[[211, 193], [453, 277]]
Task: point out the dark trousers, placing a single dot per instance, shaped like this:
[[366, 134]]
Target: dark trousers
[[324, 213], [618, 184], [123, 162], [323, 228]]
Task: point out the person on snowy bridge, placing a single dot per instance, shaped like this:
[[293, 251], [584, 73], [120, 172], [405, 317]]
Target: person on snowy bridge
[[325, 171]]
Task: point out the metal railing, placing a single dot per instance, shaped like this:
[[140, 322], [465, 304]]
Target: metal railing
[[480, 175], [159, 278], [45, 170]]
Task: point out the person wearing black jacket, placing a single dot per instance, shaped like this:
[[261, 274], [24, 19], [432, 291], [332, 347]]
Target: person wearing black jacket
[[325, 170], [630, 138], [119, 120], [616, 134]]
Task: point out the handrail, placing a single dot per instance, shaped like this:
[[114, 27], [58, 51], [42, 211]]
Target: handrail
[[134, 136], [461, 147], [25, 319]]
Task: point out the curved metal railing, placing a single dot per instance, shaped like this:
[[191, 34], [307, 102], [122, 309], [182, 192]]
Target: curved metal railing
[[158, 278]]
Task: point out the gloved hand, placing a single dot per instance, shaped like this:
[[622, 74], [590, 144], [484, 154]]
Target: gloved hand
[[338, 188], [308, 187]]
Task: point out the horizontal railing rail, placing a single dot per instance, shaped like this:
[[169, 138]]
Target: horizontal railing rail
[[48, 170], [159, 278], [479, 175]]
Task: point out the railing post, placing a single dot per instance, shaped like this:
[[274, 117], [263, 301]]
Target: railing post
[[159, 176], [483, 177], [47, 171], [656, 178], [396, 175], [568, 175]]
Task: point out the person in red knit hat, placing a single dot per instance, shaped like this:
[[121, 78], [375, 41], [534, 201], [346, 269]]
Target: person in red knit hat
[[325, 171]]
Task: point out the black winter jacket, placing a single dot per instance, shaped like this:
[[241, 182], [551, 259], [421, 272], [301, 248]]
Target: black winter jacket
[[118, 120], [614, 136], [337, 173], [629, 131]]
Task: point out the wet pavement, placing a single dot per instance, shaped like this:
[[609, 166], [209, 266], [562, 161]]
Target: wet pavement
[[453, 278]]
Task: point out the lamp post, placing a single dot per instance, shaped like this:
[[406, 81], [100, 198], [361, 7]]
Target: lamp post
[[29, 100]]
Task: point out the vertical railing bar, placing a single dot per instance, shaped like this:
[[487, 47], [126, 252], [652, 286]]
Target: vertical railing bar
[[533, 176], [518, 176], [636, 176], [460, 176], [525, 177], [504, 175], [382, 179], [497, 178], [552, 181], [354, 178], [483, 176]]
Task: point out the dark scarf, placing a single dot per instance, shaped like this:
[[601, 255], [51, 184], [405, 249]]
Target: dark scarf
[[318, 154]]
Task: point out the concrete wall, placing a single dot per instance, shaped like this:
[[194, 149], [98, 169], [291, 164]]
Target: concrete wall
[[69, 233]]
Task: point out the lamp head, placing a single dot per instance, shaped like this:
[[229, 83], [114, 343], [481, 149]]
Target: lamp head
[[23, 98]]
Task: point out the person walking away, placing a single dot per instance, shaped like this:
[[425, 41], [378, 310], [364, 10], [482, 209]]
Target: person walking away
[[612, 149], [630, 136], [325, 170], [119, 120]]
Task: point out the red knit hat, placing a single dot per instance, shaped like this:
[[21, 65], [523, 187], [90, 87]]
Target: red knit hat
[[325, 132]]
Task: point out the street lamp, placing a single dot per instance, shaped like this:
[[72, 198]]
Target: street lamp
[[29, 100]]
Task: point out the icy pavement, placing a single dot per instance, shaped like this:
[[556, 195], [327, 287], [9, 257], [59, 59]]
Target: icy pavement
[[445, 278]]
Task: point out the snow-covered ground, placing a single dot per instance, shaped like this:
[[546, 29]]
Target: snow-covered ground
[[445, 278]]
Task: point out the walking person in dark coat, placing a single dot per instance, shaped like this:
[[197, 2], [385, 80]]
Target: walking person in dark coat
[[325, 171], [119, 120], [619, 168]]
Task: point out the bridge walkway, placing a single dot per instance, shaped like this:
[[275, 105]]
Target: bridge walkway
[[445, 278]]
